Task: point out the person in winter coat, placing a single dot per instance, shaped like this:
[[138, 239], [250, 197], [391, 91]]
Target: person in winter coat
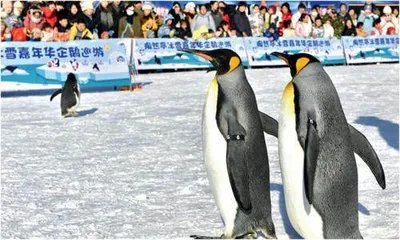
[[302, 26], [328, 29], [149, 23], [184, 30], [79, 31], [224, 31], [13, 19], [202, 19], [167, 29], [271, 17], [318, 29], [190, 11], [286, 16], [256, 21], [367, 17], [105, 18], [289, 31], [47, 33], [215, 13], [34, 19], [271, 33], [352, 16], [61, 30], [240, 22], [360, 30], [388, 20], [49, 13], [222, 8], [87, 16], [377, 29], [301, 9], [74, 12], [130, 24], [349, 29], [176, 12]]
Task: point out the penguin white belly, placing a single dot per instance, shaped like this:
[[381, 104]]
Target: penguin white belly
[[303, 216], [215, 147]]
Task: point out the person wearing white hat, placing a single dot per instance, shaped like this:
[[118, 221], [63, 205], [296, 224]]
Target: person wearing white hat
[[13, 18], [87, 16], [190, 11], [149, 26], [388, 19]]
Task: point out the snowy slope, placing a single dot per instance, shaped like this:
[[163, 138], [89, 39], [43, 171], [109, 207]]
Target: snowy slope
[[131, 165]]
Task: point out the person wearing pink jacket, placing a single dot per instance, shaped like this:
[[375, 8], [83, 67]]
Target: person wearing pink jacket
[[302, 29], [34, 19]]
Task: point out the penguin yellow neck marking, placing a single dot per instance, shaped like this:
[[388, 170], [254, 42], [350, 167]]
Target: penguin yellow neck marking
[[233, 63], [288, 98], [301, 63], [212, 93]]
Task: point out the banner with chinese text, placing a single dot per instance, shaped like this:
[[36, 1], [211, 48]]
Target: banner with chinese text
[[162, 53], [371, 49], [96, 63], [328, 51]]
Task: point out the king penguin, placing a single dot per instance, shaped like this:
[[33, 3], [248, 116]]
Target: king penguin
[[70, 96], [316, 152], [234, 149]]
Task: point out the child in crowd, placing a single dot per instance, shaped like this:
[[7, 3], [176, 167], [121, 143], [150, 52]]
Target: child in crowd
[[79, 31], [47, 33], [271, 33], [318, 29]]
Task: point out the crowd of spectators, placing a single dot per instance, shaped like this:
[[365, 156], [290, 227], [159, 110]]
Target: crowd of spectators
[[75, 20]]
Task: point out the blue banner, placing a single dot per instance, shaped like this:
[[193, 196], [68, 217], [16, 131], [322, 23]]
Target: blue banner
[[328, 51], [96, 63], [162, 53], [371, 49]]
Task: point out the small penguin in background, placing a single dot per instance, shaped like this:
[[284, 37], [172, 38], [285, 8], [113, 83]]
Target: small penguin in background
[[70, 96], [316, 151], [74, 64], [95, 67], [157, 60], [234, 149]]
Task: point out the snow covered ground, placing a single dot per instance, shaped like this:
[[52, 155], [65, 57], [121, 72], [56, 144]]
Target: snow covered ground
[[131, 165]]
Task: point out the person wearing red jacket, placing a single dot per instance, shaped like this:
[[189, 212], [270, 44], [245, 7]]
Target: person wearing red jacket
[[286, 16], [34, 19], [49, 13]]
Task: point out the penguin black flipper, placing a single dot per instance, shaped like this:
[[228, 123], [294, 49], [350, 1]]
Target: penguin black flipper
[[55, 94], [237, 171], [310, 158], [234, 134], [269, 124], [363, 148]]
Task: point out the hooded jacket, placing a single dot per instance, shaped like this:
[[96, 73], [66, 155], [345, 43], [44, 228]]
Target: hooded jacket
[[30, 22], [203, 20], [49, 16], [165, 30]]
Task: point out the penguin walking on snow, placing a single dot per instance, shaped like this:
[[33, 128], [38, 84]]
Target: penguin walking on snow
[[234, 149], [70, 96], [316, 151]]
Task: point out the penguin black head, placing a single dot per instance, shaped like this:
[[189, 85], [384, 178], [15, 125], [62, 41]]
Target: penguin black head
[[223, 60], [296, 62], [71, 82]]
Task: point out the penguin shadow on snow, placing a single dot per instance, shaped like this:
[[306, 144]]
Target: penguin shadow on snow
[[291, 232], [86, 112], [388, 130]]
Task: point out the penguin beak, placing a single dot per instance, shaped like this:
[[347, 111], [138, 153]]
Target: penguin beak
[[283, 56], [199, 53]]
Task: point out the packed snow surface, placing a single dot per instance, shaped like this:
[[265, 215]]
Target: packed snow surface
[[131, 164]]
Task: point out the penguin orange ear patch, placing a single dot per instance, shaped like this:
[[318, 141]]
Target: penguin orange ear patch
[[301, 63], [234, 62]]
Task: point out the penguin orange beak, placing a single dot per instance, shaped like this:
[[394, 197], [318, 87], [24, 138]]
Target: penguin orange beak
[[199, 53], [283, 56]]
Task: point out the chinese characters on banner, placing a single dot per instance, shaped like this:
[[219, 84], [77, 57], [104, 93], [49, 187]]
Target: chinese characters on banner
[[371, 49]]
